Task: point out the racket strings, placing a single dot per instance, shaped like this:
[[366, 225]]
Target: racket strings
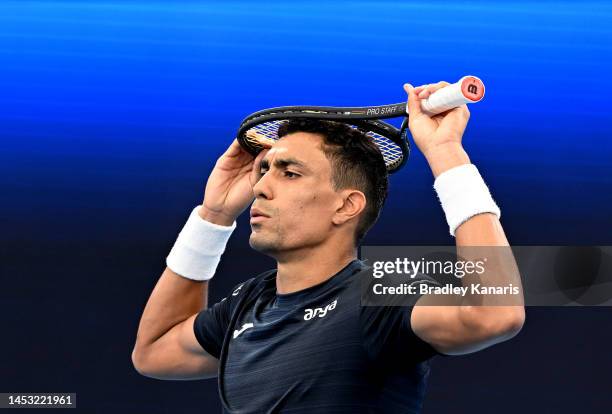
[[267, 132]]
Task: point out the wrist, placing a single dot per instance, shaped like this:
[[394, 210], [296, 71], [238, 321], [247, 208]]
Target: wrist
[[445, 157], [463, 194], [218, 218], [198, 248]]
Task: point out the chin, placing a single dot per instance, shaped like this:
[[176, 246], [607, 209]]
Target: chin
[[261, 244]]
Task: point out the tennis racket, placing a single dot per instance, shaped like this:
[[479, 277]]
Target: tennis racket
[[261, 128]]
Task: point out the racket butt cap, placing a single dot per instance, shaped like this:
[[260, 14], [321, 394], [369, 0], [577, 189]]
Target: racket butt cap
[[472, 88]]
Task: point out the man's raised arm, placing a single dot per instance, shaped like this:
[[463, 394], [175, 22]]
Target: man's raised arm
[[476, 321], [166, 346]]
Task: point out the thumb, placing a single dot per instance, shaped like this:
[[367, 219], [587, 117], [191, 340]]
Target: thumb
[[414, 104]]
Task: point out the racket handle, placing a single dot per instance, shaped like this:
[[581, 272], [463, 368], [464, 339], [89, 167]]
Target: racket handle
[[468, 89]]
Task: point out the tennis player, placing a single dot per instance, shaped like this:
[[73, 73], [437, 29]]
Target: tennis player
[[296, 338]]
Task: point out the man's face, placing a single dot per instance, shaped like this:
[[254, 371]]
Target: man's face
[[295, 193]]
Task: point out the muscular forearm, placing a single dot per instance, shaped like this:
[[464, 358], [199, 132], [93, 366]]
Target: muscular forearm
[[481, 230], [502, 316], [504, 311], [173, 300]]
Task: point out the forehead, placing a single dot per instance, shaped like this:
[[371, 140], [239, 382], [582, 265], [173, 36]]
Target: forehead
[[306, 147]]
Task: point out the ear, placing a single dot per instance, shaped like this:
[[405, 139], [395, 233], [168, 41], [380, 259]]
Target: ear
[[352, 203]]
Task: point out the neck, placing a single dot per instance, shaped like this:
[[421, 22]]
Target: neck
[[308, 267]]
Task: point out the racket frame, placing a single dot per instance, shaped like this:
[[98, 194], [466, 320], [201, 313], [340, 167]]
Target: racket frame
[[366, 119]]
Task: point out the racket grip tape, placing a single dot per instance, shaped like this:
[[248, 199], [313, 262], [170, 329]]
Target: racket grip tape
[[469, 89]]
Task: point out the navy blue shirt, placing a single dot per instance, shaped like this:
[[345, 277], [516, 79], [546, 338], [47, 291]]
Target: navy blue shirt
[[314, 351]]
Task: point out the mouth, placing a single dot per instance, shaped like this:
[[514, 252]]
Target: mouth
[[257, 216], [258, 219]]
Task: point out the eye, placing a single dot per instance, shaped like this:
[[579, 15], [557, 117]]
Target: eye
[[290, 174]]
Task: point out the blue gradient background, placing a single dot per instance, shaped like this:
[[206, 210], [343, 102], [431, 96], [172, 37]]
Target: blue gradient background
[[112, 115]]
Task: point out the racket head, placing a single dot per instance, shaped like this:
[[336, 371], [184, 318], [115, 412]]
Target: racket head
[[262, 127]]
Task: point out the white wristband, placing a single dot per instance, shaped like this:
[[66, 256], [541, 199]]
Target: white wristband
[[463, 194], [198, 248]]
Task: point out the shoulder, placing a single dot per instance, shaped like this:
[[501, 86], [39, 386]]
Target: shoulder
[[249, 287]]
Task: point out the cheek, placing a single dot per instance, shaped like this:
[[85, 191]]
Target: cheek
[[313, 210]]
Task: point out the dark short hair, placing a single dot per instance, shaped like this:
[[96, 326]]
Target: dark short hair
[[356, 162]]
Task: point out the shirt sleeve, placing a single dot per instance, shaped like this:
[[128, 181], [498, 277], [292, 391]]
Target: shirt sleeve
[[388, 335], [211, 324]]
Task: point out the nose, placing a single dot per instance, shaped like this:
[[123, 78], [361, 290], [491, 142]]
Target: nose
[[262, 188]]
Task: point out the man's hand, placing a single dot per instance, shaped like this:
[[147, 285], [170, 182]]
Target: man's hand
[[229, 189], [439, 136]]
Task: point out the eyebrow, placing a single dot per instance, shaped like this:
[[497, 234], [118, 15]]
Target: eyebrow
[[284, 163]]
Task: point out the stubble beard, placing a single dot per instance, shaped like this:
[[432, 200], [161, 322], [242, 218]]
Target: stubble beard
[[268, 244]]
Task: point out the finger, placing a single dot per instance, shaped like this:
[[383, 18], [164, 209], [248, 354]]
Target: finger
[[414, 104], [234, 149], [431, 88], [255, 171], [463, 112], [260, 157], [266, 143], [455, 119]]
